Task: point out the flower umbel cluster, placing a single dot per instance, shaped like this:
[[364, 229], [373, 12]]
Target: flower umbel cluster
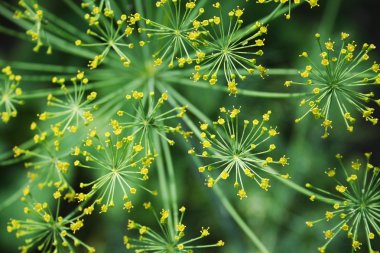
[[177, 39], [243, 152], [33, 13], [337, 81], [47, 159], [225, 49], [110, 33], [149, 118], [9, 94], [357, 203], [75, 108], [121, 167], [46, 230], [169, 238]]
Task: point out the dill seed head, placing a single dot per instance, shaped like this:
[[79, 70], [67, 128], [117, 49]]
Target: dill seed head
[[232, 149], [9, 94], [46, 230], [178, 39], [148, 118], [337, 81], [111, 33], [32, 13], [73, 109], [226, 49], [170, 238], [357, 203], [48, 162], [121, 165]]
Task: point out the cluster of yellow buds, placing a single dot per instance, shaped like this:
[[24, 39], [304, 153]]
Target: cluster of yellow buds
[[44, 226], [349, 203], [32, 12], [151, 240], [150, 117], [335, 80], [10, 93], [231, 150], [120, 161], [76, 109]]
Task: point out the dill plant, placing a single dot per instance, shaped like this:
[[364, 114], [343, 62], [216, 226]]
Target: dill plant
[[116, 127]]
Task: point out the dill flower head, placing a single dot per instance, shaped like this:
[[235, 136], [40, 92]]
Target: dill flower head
[[176, 36], [111, 33], [33, 14], [357, 202], [120, 165], [290, 3], [46, 230], [169, 238], [9, 94], [337, 81], [226, 49], [74, 108], [149, 118], [230, 149], [47, 160]]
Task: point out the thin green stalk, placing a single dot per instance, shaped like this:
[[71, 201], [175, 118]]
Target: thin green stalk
[[75, 7], [26, 145], [46, 92], [244, 227], [172, 179], [10, 32], [12, 161], [329, 16], [303, 190], [161, 174], [164, 189], [244, 92], [40, 78], [12, 199], [270, 72], [39, 67]]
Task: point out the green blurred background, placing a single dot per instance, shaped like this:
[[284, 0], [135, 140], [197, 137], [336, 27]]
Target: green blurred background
[[278, 216]]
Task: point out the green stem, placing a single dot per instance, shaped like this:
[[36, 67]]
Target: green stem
[[303, 190], [172, 180], [26, 145], [40, 78], [161, 174], [12, 199], [39, 67], [329, 16], [10, 32], [244, 227], [244, 92], [271, 72], [46, 92], [12, 161], [165, 195]]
